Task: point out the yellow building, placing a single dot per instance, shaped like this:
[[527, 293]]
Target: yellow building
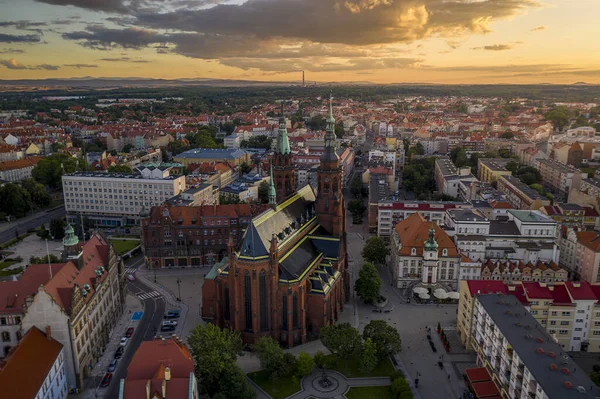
[[200, 155], [490, 169]]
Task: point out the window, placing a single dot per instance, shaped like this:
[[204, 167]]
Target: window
[[554, 313], [295, 310], [226, 295], [262, 292], [553, 322], [563, 332], [5, 336], [564, 323], [284, 312], [566, 313], [247, 300], [2, 321], [413, 251]]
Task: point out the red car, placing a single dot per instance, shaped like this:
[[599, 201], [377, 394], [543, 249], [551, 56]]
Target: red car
[[106, 380], [129, 332]]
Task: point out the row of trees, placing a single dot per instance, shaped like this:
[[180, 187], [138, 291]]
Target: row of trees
[[418, 177], [18, 200]]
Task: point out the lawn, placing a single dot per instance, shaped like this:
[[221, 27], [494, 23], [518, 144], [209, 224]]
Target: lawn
[[383, 369], [278, 389], [124, 246], [369, 392]]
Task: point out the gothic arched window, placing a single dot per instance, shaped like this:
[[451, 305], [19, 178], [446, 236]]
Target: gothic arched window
[[295, 310], [284, 312], [262, 293], [247, 300]]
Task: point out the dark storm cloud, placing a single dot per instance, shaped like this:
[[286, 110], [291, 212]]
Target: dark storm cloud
[[96, 5], [8, 38]]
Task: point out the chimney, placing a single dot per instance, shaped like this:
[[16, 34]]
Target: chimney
[[167, 374], [148, 389], [48, 332], [551, 287], [164, 387]]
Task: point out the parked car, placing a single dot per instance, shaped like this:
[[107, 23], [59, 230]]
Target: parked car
[[129, 332], [106, 380], [165, 328], [131, 277], [113, 365], [124, 341], [169, 323], [119, 352], [172, 314]]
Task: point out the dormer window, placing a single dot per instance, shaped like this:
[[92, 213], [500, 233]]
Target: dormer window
[[444, 252], [413, 251]]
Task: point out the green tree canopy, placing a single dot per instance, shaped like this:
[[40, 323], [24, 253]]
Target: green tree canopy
[[48, 170], [356, 187], [263, 192], [386, 338], [507, 135], [343, 340], [57, 228], [357, 209], [317, 122], [375, 250], [125, 169], [273, 359], [458, 156], [305, 364], [368, 357], [260, 141], [234, 385], [559, 116], [368, 284], [214, 351]]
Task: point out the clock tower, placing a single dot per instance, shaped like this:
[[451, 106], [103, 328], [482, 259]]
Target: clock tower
[[330, 201], [430, 259]]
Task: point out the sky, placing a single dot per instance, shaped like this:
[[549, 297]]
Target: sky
[[380, 41]]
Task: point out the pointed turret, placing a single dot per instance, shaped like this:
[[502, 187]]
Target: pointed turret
[[330, 154], [272, 192], [431, 244], [283, 141]]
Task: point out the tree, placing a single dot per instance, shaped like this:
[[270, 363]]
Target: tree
[[260, 141], [507, 135], [15, 200], [357, 209], [263, 192], [559, 116], [215, 352], [177, 147], [368, 284], [57, 228], [42, 260], [323, 360], [417, 149], [339, 130], [343, 340], [43, 233], [356, 187], [128, 147], [273, 359], [245, 168], [49, 170], [375, 250], [234, 385], [125, 169], [317, 122], [504, 153], [399, 386], [385, 337], [368, 357], [458, 156], [513, 166], [305, 364]]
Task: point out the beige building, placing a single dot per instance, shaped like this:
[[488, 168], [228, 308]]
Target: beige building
[[559, 177], [513, 271], [520, 195], [490, 169]]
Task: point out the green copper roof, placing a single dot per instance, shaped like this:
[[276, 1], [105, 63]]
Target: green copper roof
[[272, 192], [70, 237], [330, 139], [283, 142], [431, 244]]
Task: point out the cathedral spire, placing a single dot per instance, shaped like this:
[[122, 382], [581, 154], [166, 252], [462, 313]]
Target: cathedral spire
[[272, 192], [330, 154], [283, 142]]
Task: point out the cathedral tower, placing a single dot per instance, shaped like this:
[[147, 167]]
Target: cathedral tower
[[330, 202], [282, 162]]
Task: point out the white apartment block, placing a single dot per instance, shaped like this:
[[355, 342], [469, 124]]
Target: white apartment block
[[110, 199], [525, 362], [55, 384]]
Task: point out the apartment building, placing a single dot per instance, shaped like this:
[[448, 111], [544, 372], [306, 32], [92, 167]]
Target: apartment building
[[35, 368], [520, 195], [591, 186], [110, 199], [528, 236], [392, 212], [569, 311], [572, 214], [193, 236], [559, 177], [17, 171], [202, 194], [514, 271], [522, 359], [81, 303], [580, 253], [490, 169], [199, 155], [448, 177]]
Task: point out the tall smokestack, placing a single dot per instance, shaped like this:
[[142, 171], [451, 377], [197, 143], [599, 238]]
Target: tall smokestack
[[303, 85]]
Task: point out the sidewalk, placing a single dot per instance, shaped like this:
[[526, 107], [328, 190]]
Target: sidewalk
[[132, 304]]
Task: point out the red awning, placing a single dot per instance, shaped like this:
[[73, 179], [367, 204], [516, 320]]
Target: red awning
[[478, 374], [485, 389]]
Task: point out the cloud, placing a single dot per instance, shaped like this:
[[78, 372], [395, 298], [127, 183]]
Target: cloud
[[354, 22], [11, 51], [80, 66], [537, 28], [14, 64], [510, 68], [7, 38], [23, 25], [96, 5], [495, 47], [123, 59]]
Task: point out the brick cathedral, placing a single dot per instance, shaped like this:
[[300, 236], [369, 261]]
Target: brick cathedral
[[288, 276]]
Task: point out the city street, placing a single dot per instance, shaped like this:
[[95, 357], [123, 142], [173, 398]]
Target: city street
[[10, 230]]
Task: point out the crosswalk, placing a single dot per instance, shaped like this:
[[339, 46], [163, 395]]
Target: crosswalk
[[130, 270], [148, 295]]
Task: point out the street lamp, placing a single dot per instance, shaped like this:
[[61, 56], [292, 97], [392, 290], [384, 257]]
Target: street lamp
[[179, 289]]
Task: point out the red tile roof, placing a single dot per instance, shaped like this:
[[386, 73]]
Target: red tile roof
[[560, 295], [533, 290], [14, 293], [414, 232], [478, 374], [149, 363], [485, 389], [486, 287], [28, 365], [581, 291]]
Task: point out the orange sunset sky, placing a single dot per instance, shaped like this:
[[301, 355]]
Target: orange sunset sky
[[382, 41]]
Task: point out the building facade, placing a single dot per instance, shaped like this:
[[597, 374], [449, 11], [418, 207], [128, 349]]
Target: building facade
[[288, 277], [520, 195], [109, 199], [185, 236]]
